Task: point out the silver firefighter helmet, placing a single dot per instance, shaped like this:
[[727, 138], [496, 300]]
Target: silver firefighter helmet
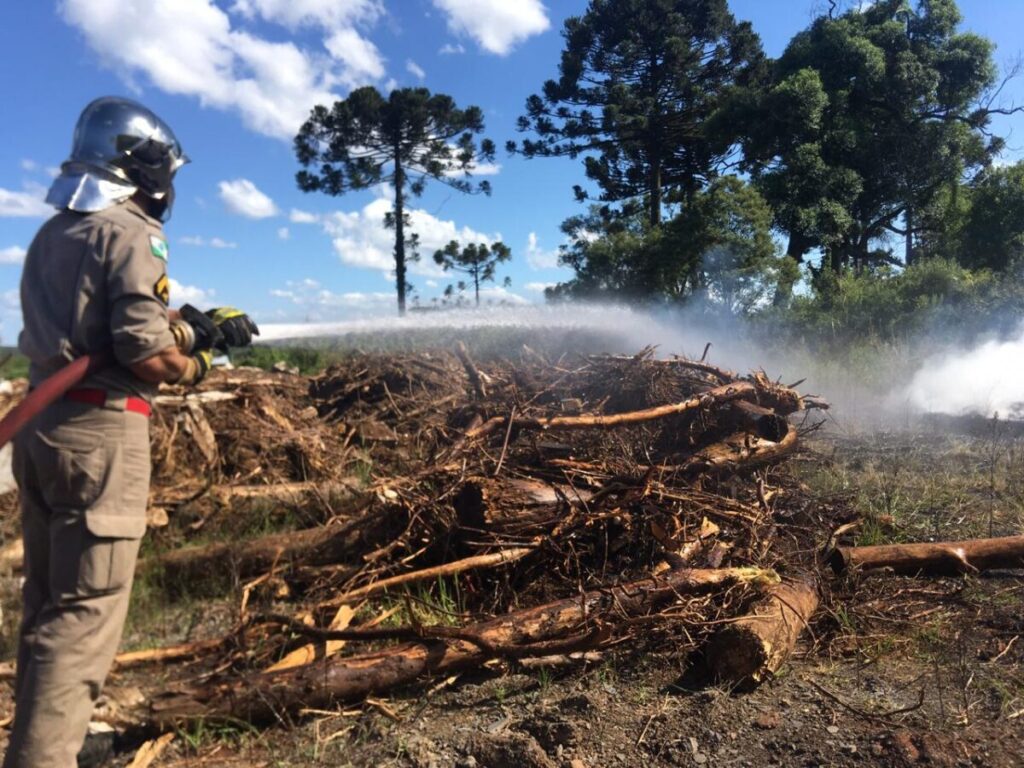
[[119, 147]]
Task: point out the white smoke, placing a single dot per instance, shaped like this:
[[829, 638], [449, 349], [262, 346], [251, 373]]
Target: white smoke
[[986, 380]]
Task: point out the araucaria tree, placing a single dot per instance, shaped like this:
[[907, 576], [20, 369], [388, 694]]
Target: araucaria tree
[[639, 83], [479, 262], [404, 140]]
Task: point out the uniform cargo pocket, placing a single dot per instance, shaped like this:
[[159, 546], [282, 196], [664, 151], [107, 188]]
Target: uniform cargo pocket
[[120, 509], [74, 465]]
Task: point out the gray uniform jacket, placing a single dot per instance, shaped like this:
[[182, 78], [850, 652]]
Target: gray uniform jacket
[[95, 282]]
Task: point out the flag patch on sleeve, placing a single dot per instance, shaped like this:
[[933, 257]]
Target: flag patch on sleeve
[[162, 289], [158, 247]]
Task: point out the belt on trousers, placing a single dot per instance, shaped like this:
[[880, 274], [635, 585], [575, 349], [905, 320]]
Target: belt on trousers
[[98, 397]]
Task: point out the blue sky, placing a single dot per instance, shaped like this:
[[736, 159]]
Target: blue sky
[[236, 77]]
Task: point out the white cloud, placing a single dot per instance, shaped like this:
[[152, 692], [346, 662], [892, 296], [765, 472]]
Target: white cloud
[[190, 294], [431, 283], [361, 241], [52, 171], [191, 48], [302, 217], [311, 296], [202, 242], [415, 69], [498, 294], [29, 165], [497, 25], [329, 14], [537, 257], [538, 287], [361, 58], [243, 197], [283, 233], [390, 85], [451, 50], [15, 254], [27, 204]]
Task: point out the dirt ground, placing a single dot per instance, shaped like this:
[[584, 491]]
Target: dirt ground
[[894, 671]]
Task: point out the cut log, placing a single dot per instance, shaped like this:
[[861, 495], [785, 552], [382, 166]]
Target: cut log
[[475, 377], [947, 558], [488, 504], [763, 422], [574, 624], [738, 452], [752, 649]]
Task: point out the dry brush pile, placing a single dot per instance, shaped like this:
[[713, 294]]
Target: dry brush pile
[[466, 514]]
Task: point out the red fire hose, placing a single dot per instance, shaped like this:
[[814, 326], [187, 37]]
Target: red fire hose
[[52, 389]]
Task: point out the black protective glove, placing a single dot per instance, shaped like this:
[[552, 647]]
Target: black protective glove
[[208, 335], [236, 326]]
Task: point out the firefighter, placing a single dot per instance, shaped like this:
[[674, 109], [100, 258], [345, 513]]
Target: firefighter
[[95, 283]]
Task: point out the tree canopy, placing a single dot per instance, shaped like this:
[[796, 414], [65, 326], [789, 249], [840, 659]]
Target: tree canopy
[[868, 118], [639, 83]]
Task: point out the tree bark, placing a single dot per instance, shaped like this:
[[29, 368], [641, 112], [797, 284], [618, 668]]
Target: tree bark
[[577, 623], [400, 229], [749, 651], [947, 558], [316, 546]]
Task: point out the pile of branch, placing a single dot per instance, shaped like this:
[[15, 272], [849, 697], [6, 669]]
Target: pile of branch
[[474, 511]]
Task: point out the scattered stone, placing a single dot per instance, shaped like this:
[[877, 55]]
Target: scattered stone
[[833, 729], [903, 745], [767, 721]]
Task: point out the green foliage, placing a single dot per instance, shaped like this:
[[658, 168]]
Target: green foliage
[[857, 307], [639, 84], [992, 236], [869, 118], [718, 248], [479, 262], [405, 140], [309, 360]]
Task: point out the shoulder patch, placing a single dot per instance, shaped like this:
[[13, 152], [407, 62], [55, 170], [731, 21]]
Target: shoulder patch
[[158, 247], [162, 289]]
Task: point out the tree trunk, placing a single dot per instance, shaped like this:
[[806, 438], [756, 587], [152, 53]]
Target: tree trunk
[[750, 650], [655, 211], [947, 558], [400, 230], [476, 284], [580, 622]]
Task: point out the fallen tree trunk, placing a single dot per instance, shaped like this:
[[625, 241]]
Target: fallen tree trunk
[[753, 648], [328, 544], [947, 558], [576, 623], [723, 394], [737, 452]]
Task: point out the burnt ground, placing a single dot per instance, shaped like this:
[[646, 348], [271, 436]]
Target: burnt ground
[[894, 672]]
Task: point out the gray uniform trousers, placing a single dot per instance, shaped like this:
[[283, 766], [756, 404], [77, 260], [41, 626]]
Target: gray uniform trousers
[[83, 475]]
